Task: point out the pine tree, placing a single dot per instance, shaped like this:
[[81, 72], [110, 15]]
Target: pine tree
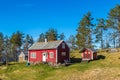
[[99, 31], [72, 42], [16, 41], [1, 44], [61, 36], [114, 20], [84, 32], [27, 42], [51, 34], [41, 37], [7, 49]]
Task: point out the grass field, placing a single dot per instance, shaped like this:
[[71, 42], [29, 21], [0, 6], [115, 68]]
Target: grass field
[[106, 68]]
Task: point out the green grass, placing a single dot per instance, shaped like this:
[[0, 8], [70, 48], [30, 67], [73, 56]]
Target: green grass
[[107, 69]]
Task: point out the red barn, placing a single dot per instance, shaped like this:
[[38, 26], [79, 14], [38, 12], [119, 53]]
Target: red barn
[[53, 52], [88, 54]]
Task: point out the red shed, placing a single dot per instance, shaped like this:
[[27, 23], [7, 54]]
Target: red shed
[[53, 51], [88, 54]]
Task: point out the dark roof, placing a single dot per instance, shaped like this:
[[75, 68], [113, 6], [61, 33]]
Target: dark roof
[[45, 45], [83, 49]]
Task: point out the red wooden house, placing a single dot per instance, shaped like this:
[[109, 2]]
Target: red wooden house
[[53, 52], [88, 54]]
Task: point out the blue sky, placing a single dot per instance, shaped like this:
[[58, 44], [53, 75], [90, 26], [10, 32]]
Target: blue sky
[[36, 16]]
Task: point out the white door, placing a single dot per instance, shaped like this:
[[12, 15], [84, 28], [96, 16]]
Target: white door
[[44, 57]]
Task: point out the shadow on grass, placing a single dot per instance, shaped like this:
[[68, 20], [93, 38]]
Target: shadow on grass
[[79, 60], [100, 57], [75, 60]]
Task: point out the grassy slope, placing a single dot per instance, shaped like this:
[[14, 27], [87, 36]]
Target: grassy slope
[[103, 69]]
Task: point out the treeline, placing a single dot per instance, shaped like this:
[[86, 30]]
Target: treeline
[[11, 46], [91, 33], [51, 35], [99, 33]]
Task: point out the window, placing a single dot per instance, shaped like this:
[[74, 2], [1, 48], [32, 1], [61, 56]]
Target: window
[[63, 45], [33, 55], [63, 53], [51, 55], [88, 52]]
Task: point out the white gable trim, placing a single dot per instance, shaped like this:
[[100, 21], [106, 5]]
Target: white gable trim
[[22, 54], [92, 55], [56, 56], [59, 43]]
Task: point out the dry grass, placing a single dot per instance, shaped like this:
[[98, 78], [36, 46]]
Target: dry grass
[[103, 69]]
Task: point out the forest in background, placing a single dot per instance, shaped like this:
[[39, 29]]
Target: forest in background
[[91, 33]]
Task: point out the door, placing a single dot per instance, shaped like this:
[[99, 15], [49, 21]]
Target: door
[[44, 56]]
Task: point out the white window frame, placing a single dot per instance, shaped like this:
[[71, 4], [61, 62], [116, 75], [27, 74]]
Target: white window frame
[[63, 53], [89, 52], [51, 55], [63, 45], [33, 55]]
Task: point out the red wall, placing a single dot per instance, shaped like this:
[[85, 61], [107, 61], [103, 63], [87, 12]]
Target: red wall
[[87, 56], [60, 50], [39, 55], [59, 58]]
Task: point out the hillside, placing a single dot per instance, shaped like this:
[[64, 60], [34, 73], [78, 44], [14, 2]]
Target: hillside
[[106, 68]]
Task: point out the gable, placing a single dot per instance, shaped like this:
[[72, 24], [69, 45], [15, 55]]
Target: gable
[[21, 54]]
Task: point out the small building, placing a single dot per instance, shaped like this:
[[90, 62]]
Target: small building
[[23, 57], [49, 52], [88, 54]]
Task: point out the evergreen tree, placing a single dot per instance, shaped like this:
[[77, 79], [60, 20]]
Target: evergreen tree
[[41, 37], [7, 49], [28, 42], [100, 32], [16, 41], [84, 32], [114, 20], [62, 36], [114, 38], [51, 34], [1, 44], [72, 42]]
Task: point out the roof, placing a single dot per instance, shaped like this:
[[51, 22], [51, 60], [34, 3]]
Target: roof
[[21, 54], [83, 49], [45, 45]]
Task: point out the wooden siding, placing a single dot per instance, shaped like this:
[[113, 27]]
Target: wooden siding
[[60, 50], [39, 55], [89, 55]]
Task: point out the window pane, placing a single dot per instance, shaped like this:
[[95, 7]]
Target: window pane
[[63, 45], [33, 55], [63, 53], [51, 55]]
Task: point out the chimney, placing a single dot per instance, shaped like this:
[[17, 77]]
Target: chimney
[[45, 40]]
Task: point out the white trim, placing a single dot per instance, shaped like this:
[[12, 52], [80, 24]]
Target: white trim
[[59, 43], [33, 55], [92, 55], [56, 55], [86, 59], [44, 56], [51, 54]]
